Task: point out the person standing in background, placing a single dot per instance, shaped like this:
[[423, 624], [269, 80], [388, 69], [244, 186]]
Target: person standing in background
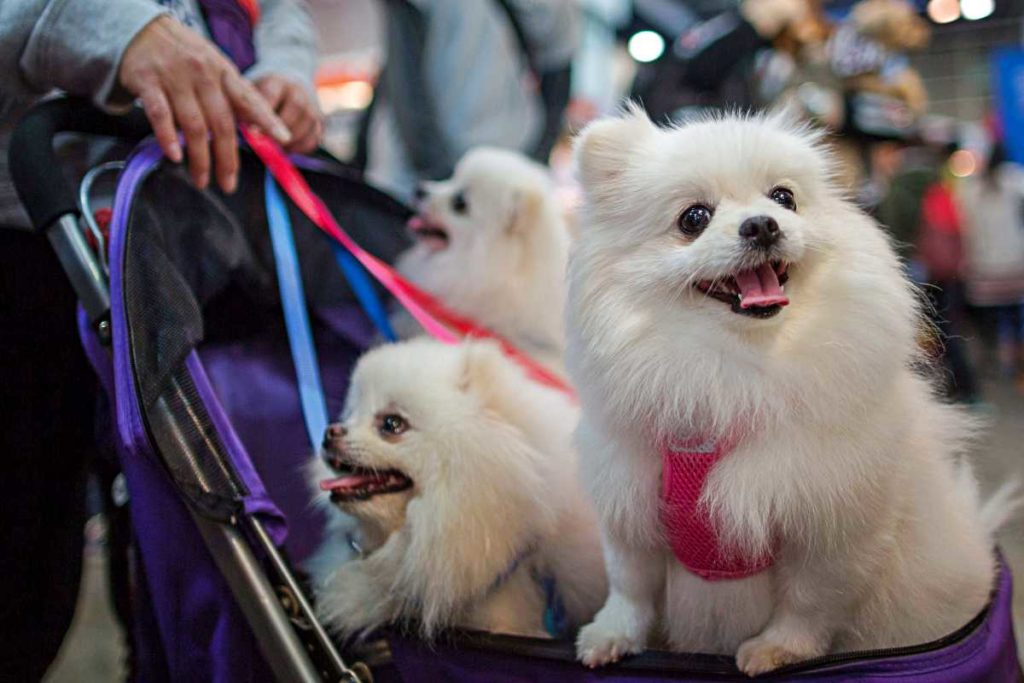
[[460, 74], [941, 255], [114, 52], [994, 228]]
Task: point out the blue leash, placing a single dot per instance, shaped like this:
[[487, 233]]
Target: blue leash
[[366, 294], [296, 317]]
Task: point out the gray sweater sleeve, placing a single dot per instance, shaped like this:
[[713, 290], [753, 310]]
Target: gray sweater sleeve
[[285, 42], [74, 45]]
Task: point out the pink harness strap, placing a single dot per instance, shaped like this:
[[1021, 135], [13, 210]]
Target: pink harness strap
[[686, 524]]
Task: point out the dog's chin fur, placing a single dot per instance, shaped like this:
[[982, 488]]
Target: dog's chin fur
[[504, 265], [846, 460], [494, 479]]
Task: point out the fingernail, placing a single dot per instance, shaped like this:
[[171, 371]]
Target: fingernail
[[282, 133], [203, 179], [175, 153], [231, 184]]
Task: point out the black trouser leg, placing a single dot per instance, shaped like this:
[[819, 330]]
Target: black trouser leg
[[947, 298], [46, 406]]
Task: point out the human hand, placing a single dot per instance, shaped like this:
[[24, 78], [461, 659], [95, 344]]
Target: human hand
[[184, 81], [296, 108]]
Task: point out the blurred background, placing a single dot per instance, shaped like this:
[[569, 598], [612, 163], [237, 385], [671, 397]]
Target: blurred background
[[924, 105]]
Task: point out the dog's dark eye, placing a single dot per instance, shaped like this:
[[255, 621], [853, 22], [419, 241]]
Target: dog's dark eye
[[693, 220], [459, 203], [393, 425], [783, 197]]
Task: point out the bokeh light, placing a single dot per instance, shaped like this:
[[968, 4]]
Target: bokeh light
[[977, 9], [943, 11], [962, 163], [646, 46], [351, 95]]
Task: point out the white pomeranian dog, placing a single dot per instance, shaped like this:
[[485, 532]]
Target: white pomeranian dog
[[492, 244], [462, 477], [772, 476]]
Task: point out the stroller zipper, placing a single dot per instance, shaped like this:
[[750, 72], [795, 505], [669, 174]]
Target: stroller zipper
[[886, 653], [721, 665]]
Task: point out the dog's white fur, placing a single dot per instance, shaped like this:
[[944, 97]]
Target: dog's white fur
[[495, 478], [505, 263], [847, 463]]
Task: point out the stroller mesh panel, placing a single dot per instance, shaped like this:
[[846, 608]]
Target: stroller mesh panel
[[181, 426], [182, 250]]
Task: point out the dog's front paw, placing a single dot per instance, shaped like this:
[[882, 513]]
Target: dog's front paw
[[598, 645], [617, 631], [351, 604], [762, 654]]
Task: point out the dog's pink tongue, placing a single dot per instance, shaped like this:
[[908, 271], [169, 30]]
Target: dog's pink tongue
[[348, 482], [760, 287]]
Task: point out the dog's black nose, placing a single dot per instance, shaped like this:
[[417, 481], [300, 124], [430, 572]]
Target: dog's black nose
[[334, 432], [420, 193], [760, 231]]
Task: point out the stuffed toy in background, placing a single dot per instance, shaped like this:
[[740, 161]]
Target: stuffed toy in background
[[868, 51], [850, 76], [857, 82]]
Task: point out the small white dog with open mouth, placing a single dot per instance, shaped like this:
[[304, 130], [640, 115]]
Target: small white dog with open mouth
[[773, 478], [492, 245], [462, 477]]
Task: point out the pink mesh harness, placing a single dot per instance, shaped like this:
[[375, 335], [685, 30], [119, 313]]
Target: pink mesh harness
[[687, 526]]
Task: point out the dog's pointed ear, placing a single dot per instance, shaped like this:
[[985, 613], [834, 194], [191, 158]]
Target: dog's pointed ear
[[527, 206], [604, 147], [483, 365]]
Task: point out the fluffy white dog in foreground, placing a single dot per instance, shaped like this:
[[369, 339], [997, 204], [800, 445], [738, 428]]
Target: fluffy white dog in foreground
[[729, 307], [491, 244], [461, 474]]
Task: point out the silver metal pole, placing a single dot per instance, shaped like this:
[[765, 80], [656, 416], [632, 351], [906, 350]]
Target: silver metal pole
[[273, 630], [83, 270], [283, 571]]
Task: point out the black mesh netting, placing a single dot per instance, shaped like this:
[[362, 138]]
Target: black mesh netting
[[199, 265]]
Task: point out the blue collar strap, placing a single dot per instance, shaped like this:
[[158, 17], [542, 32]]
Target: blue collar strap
[[556, 621]]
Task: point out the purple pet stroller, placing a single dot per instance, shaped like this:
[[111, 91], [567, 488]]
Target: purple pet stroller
[[182, 319]]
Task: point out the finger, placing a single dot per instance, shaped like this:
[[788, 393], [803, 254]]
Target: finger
[[305, 136], [250, 107], [305, 144], [221, 121], [158, 111], [193, 125], [273, 91], [293, 115], [295, 110]]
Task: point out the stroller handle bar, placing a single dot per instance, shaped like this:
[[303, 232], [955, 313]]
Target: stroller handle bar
[[50, 199], [35, 169]]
